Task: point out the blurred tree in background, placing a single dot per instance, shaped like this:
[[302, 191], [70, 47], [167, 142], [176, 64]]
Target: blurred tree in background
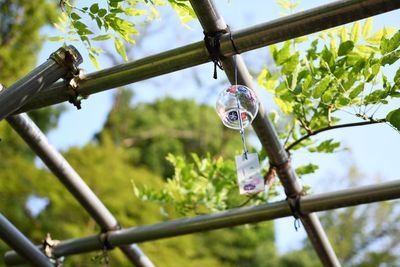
[[20, 38], [180, 127]]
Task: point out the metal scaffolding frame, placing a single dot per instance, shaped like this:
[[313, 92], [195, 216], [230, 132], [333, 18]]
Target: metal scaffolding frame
[[60, 167], [233, 217], [61, 64], [35, 91]]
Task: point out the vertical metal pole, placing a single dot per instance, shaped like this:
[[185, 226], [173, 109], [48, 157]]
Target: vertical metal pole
[[57, 66], [22, 245], [38, 142], [212, 22]]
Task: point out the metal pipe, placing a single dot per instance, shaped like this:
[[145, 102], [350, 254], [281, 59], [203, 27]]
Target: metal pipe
[[22, 245], [313, 203], [302, 23], [57, 66], [212, 22], [38, 142], [309, 21]]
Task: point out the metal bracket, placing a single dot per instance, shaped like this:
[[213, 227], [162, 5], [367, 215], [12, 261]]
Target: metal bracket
[[72, 84], [70, 58], [48, 248], [67, 56]]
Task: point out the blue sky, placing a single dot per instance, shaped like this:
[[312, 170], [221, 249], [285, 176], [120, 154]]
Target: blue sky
[[374, 149]]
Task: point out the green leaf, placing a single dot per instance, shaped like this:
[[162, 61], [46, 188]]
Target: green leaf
[[102, 37], [94, 61], [367, 49], [285, 4], [375, 69], [375, 97], [102, 12], [307, 169], [61, 29], [377, 37], [285, 106], [343, 34], [274, 117], [74, 16], [327, 56], [291, 64], [84, 32], [395, 41], [94, 8], [321, 87], [301, 39], [306, 85], [394, 118], [327, 96], [55, 38], [266, 80], [385, 46], [79, 25], [367, 28], [345, 48], [356, 91], [342, 101], [283, 54], [390, 58], [120, 47], [99, 22], [134, 12], [396, 78], [327, 146], [355, 32], [390, 45]]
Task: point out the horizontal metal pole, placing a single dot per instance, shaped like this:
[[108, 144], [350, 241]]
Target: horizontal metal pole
[[309, 21], [56, 67], [120, 75], [39, 143], [16, 240], [308, 204], [302, 23]]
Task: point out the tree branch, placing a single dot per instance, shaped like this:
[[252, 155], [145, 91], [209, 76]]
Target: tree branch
[[354, 124]]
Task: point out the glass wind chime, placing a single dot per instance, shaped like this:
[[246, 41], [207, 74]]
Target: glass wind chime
[[237, 107]]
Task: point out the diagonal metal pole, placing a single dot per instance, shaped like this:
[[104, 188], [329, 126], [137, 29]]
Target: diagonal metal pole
[[60, 63], [302, 23], [22, 245], [312, 203], [38, 142], [213, 23]]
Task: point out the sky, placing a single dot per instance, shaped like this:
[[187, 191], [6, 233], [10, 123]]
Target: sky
[[373, 149]]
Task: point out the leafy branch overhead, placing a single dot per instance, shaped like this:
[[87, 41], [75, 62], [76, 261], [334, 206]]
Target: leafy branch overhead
[[115, 20], [340, 71]]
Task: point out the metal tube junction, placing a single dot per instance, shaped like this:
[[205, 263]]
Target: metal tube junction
[[302, 23], [22, 245], [229, 218], [57, 66], [39, 143]]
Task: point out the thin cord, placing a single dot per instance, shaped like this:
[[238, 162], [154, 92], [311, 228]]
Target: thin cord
[[238, 109], [235, 68]]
